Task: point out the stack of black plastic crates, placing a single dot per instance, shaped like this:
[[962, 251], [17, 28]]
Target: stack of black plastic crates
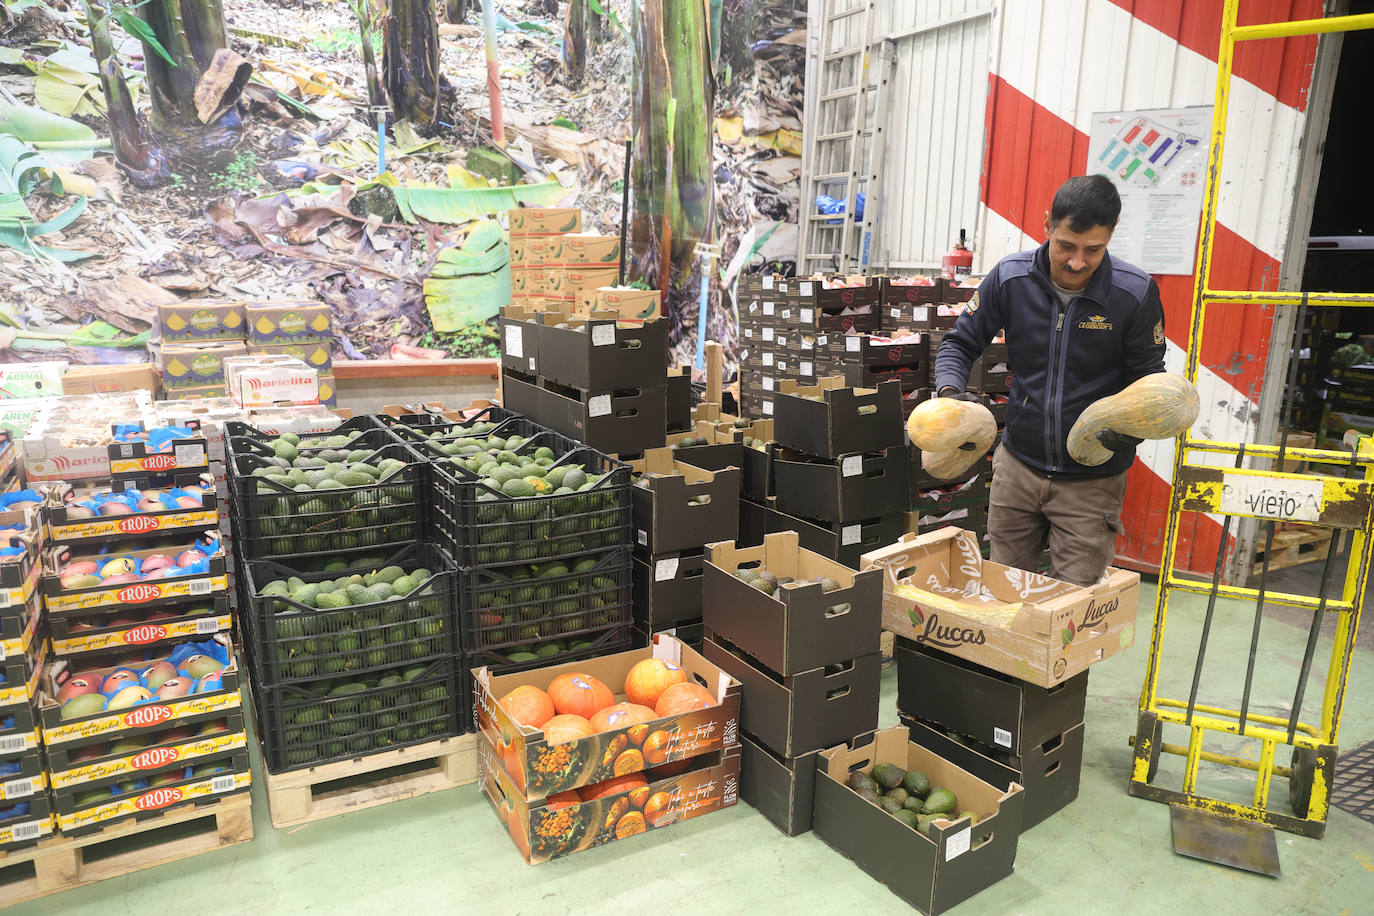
[[348, 607], [541, 537]]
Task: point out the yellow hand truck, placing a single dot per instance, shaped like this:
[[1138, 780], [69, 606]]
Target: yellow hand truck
[[1333, 500]]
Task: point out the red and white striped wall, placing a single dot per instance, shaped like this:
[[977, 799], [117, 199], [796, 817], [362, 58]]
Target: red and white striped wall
[[1060, 61]]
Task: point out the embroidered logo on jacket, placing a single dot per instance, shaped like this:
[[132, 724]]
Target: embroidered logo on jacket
[[1096, 323], [1159, 333]]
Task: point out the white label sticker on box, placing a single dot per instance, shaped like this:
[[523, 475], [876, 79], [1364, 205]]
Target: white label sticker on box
[[515, 341], [768, 359], [599, 405], [665, 569], [642, 536], [207, 625], [531, 363], [198, 586], [920, 313], [11, 743], [808, 316], [222, 783], [822, 341], [808, 288], [850, 534], [806, 368], [897, 313], [3, 654], [852, 465], [19, 788], [29, 830], [852, 344], [189, 456], [958, 844], [768, 282], [603, 335], [767, 408], [782, 366], [748, 332], [768, 383], [786, 313], [1001, 736], [767, 333], [769, 308], [5, 598]]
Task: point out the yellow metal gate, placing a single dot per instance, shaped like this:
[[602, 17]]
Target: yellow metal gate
[[1326, 500]]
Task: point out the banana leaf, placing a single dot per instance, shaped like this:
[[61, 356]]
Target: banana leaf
[[36, 126], [470, 283], [461, 205], [64, 91], [20, 168]]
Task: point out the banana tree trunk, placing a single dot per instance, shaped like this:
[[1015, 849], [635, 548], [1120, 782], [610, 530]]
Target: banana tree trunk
[[191, 31], [674, 199], [455, 11], [142, 161], [575, 40], [410, 57]]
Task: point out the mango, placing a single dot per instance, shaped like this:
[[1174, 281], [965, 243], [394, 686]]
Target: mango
[[130, 696], [87, 704], [200, 665], [119, 567], [158, 673], [117, 680]]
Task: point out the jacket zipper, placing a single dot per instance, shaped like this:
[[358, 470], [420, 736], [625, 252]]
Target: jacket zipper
[[1057, 431], [1051, 398]]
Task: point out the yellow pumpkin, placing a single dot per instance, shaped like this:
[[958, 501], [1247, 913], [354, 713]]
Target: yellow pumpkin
[[952, 435], [1158, 406]]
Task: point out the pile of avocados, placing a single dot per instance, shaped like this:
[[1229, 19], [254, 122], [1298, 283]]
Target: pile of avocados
[[528, 612], [907, 795], [769, 584]]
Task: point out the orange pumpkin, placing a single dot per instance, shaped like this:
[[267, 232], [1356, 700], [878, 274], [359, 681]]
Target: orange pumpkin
[[649, 678], [951, 434], [681, 698], [639, 795], [614, 786], [528, 705], [579, 694], [657, 747], [622, 715], [1158, 406], [630, 824], [562, 729], [632, 761], [658, 808], [566, 799]]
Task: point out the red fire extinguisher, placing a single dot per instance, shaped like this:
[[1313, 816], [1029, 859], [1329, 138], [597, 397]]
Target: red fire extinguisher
[[957, 264]]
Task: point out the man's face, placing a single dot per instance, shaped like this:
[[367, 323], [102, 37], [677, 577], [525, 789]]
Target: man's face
[[1074, 256]]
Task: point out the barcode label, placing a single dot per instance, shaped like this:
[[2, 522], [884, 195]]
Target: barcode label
[[5, 600], [768, 359], [207, 625], [189, 455], [852, 344], [769, 308], [11, 743], [850, 534], [29, 830], [768, 383], [748, 332], [806, 368], [897, 313], [808, 316], [782, 366], [921, 313], [19, 788], [599, 405], [222, 783], [642, 536], [1001, 736], [531, 363], [767, 408], [199, 586], [768, 282], [852, 465], [603, 335], [767, 333], [959, 844], [807, 288], [665, 569], [822, 341], [515, 341], [786, 313]]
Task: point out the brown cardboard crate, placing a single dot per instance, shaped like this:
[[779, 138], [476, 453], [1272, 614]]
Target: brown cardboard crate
[[845, 421], [668, 513], [668, 589], [535, 221], [202, 319], [849, 488], [782, 789]]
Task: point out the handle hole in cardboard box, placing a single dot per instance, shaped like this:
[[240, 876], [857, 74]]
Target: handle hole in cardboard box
[[839, 668], [1052, 744], [1053, 768], [982, 841], [837, 693], [837, 610]]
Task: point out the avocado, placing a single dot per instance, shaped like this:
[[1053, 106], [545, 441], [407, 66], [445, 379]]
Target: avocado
[[940, 801], [888, 775], [971, 815], [906, 817], [898, 794], [890, 805], [916, 783], [859, 780], [517, 488], [870, 796], [829, 585], [923, 823], [913, 803]]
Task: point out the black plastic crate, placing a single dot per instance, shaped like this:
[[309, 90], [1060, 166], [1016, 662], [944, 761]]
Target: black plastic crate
[[296, 642], [245, 439], [525, 607], [275, 520], [606, 642], [481, 526], [304, 726], [416, 427]]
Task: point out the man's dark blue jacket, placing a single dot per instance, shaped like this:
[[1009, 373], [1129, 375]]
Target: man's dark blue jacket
[[1061, 359]]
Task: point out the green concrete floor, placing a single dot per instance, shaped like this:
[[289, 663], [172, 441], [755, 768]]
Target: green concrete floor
[[1106, 852]]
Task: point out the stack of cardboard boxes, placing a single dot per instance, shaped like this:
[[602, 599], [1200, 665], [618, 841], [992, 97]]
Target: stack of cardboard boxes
[[198, 335], [800, 633]]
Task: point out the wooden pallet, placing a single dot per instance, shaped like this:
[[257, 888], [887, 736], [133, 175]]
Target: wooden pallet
[[59, 862], [302, 796], [1293, 546]]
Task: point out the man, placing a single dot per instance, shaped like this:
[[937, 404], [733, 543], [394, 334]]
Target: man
[[1080, 325]]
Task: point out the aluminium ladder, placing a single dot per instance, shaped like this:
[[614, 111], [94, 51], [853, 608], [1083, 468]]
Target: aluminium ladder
[[1339, 498], [842, 153]]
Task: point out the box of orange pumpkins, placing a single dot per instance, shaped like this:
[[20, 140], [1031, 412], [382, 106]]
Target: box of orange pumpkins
[[582, 754]]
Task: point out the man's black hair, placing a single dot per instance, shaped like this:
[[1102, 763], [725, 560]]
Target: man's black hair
[[1087, 201]]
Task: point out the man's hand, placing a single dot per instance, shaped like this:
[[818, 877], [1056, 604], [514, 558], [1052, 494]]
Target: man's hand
[[949, 391], [1117, 442]]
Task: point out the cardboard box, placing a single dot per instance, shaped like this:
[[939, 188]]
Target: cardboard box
[[597, 353], [200, 393], [934, 871], [31, 380], [835, 292], [1048, 772], [66, 527], [533, 221], [69, 437], [29, 780], [845, 421], [625, 421], [853, 487], [804, 712], [629, 304], [202, 319], [520, 328], [679, 397], [543, 831], [288, 321], [534, 251], [22, 833], [77, 602], [1020, 623], [18, 414], [801, 627], [579, 279], [74, 635], [751, 523], [196, 365], [685, 507], [996, 710], [587, 251], [594, 759], [108, 379], [844, 542], [317, 354], [782, 789], [896, 291], [160, 751], [668, 589], [713, 448], [270, 381], [690, 633], [75, 819]]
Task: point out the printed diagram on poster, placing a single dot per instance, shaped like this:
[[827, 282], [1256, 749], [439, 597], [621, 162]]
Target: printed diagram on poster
[[1158, 158]]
